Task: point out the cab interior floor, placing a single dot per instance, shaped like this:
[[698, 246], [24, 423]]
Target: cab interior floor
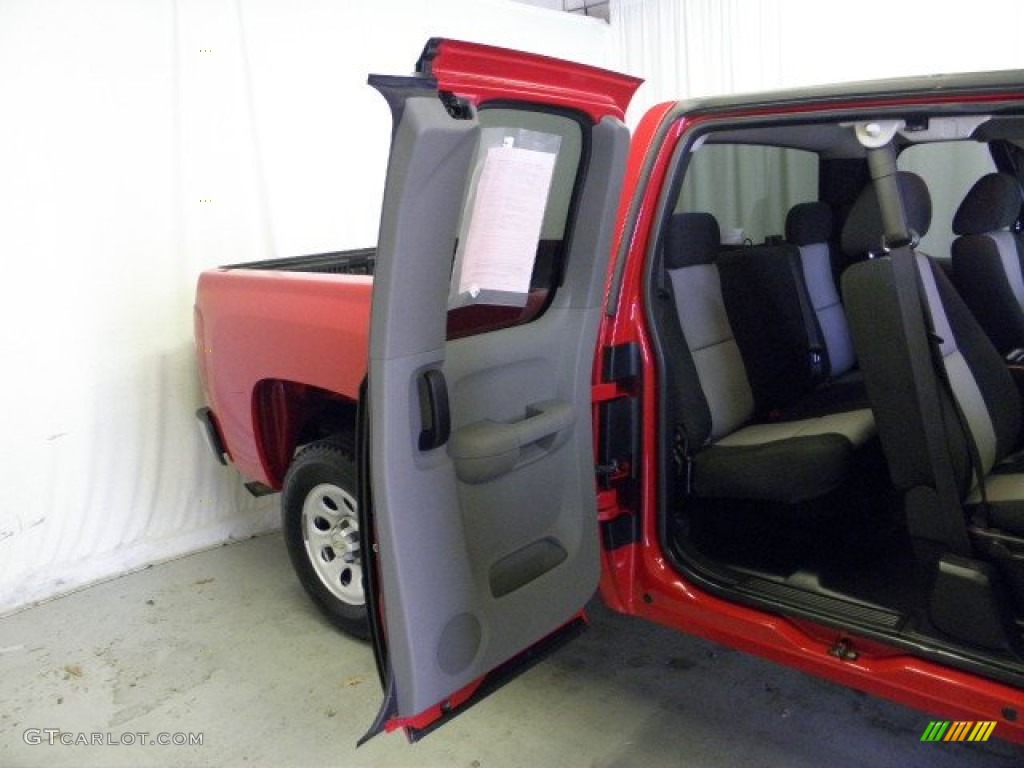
[[863, 553], [878, 568]]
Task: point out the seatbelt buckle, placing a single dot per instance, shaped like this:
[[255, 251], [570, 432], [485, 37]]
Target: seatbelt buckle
[[817, 358], [682, 460]]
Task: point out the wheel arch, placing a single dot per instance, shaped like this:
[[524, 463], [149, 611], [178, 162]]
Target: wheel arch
[[288, 414]]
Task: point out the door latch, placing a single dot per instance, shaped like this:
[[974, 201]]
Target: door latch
[[843, 650]]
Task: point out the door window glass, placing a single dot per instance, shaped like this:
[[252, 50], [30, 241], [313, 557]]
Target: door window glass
[[515, 223]]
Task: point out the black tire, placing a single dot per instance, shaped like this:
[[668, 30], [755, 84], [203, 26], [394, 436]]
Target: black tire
[[321, 530]]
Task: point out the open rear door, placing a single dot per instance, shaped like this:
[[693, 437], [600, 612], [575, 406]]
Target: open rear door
[[501, 195]]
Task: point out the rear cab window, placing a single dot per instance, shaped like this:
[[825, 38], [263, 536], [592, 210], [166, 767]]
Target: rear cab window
[[748, 188], [948, 168]]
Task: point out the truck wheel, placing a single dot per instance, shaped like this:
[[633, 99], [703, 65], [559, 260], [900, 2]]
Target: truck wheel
[[321, 530]]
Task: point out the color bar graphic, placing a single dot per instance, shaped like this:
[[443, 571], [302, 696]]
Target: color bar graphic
[[959, 730]]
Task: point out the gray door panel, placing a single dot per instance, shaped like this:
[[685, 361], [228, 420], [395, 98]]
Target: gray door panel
[[488, 542]]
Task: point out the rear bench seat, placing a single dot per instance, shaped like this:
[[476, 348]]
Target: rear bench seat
[[773, 322], [731, 448], [789, 321]]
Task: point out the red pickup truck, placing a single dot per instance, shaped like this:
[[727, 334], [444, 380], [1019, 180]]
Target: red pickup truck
[[709, 370]]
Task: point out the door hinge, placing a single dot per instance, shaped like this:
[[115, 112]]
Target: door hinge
[[843, 650]]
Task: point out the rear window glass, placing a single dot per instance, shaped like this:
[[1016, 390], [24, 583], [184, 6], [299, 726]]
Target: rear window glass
[[949, 168], [749, 189]]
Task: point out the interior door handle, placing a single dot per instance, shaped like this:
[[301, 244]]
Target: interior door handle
[[487, 449], [542, 420], [435, 415]]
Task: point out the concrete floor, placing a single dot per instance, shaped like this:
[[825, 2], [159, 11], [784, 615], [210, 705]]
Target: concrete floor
[[224, 644]]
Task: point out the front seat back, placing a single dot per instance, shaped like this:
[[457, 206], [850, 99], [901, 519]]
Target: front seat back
[[977, 401], [988, 258], [949, 415]]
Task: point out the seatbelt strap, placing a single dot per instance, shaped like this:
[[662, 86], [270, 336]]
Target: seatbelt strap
[[913, 314], [679, 448], [938, 361], [820, 367], [899, 240]]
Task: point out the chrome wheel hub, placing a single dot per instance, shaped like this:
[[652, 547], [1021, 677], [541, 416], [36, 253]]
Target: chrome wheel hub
[[330, 528]]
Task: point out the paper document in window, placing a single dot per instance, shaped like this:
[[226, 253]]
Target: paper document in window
[[500, 245]]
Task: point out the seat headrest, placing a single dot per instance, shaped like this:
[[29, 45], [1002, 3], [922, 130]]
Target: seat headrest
[[809, 223], [863, 230], [691, 239], [992, 203]]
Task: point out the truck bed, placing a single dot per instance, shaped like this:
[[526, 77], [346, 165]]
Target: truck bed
[[359, 261], [266, 332]]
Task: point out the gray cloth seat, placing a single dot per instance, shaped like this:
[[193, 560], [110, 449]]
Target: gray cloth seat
[[988, 258], [977, 402], [809, 227], [730, 450], [785, 357]]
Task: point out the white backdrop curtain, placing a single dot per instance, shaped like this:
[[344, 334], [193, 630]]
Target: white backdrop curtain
[[692, 48], [141, 142]]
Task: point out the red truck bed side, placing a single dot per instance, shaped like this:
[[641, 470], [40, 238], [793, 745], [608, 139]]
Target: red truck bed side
[[265, 339]]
